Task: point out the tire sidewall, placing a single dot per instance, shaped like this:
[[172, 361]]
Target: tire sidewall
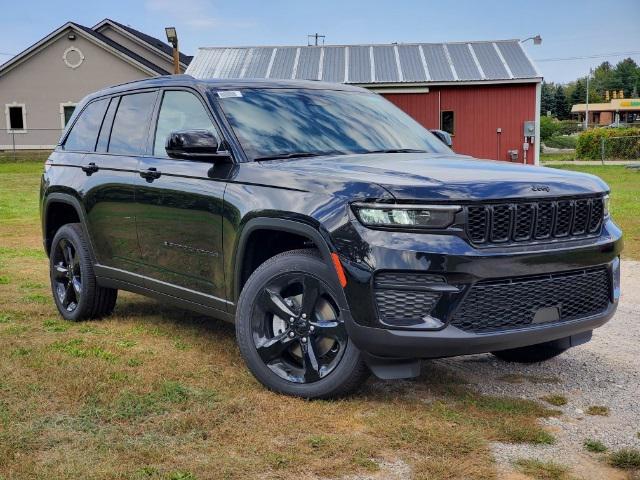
[[73, 234], [309, 264]]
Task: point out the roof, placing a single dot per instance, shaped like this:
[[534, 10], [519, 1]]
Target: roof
[[616, 104], [92, 35], [153, 41], [220, 84], [406, 63]]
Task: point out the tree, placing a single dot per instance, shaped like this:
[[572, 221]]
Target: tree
[[547, 103], [579, 92], [626, 75], [560, 103]]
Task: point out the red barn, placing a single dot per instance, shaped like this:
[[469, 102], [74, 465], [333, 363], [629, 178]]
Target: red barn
[[485, 94]]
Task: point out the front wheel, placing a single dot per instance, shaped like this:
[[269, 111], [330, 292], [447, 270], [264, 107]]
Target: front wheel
[[291, 331]]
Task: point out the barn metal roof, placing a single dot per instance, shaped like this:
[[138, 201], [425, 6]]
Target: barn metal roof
[[405, 63]]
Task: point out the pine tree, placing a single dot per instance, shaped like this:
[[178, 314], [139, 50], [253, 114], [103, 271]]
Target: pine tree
[[547, 102], [561, 104], [579, 93]]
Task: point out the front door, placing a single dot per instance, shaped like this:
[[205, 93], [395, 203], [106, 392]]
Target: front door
[[180, 209]]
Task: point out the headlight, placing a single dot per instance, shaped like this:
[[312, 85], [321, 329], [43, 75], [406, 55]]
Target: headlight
[[405, 216], [605, 204]]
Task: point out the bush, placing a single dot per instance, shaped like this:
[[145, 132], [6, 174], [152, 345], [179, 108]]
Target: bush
[[589, 144], [548, 127], [568, 127], [564, 141]]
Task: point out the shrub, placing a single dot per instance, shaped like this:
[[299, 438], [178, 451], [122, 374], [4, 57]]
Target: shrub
[[561, 141], [548, 127], [568, 127], [595, 446], [589, 143], [627, 458]]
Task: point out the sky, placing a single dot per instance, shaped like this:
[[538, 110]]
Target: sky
[[569, 29]]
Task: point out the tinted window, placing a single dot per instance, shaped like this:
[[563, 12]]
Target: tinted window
[[131, 125], [179, 111], [105, 130], [281, 121], [84, 132]]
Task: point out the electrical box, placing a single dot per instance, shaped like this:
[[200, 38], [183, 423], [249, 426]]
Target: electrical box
[[529, 129], [513, 155]]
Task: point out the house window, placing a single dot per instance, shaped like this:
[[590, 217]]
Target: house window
[[447, 122], [66, 110], [16, 118]]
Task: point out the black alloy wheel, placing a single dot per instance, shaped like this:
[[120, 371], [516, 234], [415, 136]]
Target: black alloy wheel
[[74, 286], [297, 329], [67, 275], [292, 331]]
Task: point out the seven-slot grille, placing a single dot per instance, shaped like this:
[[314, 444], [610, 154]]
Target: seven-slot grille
[[496, 305], [531, 221]]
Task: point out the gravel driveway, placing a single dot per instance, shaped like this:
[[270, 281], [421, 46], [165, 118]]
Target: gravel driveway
[[603, 372]]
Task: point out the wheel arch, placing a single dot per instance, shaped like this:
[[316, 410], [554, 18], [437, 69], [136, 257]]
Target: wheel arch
[[315, 235], [60, 209]]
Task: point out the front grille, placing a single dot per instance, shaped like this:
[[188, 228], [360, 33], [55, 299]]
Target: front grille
[[533, 221], [513, 303], [401, 297]]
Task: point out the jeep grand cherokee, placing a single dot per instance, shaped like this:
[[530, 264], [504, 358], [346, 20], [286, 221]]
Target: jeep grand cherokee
[[338, 234]]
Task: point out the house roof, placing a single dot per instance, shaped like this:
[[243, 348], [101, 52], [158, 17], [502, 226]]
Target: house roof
[[94, 36], [153, 41], [406, 63]]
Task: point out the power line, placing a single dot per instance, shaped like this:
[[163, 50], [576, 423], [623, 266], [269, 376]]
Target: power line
[[601, 55]]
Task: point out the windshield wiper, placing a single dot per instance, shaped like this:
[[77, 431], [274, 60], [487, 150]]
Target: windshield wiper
[[288, 155], [397, 150]]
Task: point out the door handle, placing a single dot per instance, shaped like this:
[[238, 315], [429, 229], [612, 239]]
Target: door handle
[[150, 174], [90, 169]]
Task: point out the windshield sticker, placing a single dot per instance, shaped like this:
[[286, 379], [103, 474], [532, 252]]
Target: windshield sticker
[[230, 94]]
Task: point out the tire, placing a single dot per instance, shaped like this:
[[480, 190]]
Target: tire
[[531, 354], [75, 290], [307, 356]]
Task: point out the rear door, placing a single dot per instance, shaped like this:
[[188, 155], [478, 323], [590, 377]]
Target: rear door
[[111, 204], [180, 208], [106, 184]]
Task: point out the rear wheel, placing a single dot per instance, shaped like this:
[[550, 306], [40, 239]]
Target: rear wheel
[[531, 354], [291, 332], [73, 282]]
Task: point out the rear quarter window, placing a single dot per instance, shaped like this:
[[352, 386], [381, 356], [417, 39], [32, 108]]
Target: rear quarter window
[[84, 133], [130, 129]]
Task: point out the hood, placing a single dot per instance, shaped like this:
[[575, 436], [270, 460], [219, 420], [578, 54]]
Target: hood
[[422, 176]]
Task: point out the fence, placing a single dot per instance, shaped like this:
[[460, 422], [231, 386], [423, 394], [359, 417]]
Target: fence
[[33, 143], [620, 148]]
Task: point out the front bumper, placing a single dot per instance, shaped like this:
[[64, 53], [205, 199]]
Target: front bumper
[[460, 264]]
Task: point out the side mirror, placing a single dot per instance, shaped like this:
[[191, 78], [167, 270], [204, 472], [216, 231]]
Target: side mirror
[[443, 136], [195, 145]]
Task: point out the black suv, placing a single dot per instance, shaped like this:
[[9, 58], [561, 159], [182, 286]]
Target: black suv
[[338, 234]]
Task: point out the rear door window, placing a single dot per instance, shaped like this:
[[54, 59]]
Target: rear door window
[[130, 129], [84, 133]]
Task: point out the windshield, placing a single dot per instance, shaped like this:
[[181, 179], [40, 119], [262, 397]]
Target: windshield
[[280, 123]]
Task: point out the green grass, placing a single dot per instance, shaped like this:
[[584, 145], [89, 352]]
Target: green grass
[[542, 470], [625, 200], [598, 410], [627, 458], [595, 446], [557, 157], [556, 400], [155, 392]]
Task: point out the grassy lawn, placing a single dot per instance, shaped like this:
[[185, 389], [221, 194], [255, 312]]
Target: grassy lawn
[[158, 393], [625, 200]]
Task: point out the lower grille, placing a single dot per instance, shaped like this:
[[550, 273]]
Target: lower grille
[[402, 299], [513, 303]]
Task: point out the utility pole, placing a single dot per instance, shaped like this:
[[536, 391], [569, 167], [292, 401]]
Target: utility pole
[[172, 38], [586, 118], [315, 36]]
